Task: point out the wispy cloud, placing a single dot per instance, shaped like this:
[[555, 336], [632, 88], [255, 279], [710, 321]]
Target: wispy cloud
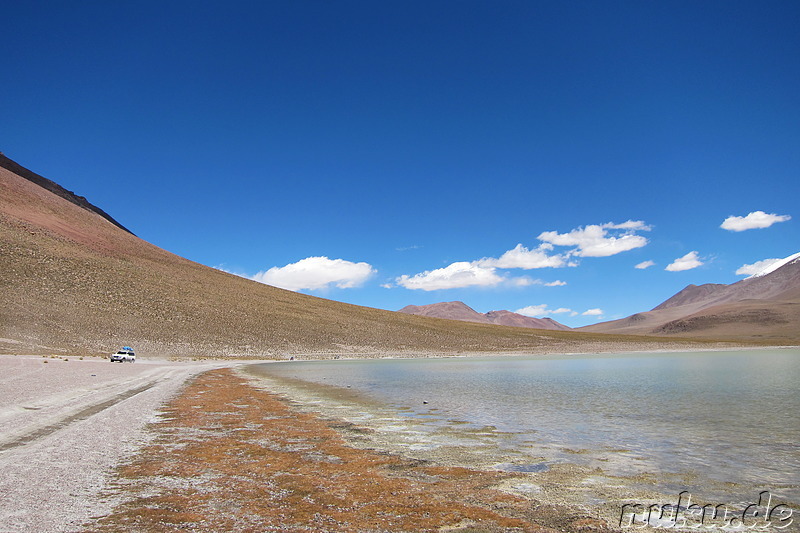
[[541, 310], [687, 262], [593, 312], [556, 283], [645, 264], [315, 273], [754, 220]]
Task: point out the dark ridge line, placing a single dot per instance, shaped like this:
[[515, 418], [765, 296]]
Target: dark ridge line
[[56, 189]]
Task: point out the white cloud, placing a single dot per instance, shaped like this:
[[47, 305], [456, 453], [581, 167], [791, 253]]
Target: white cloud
[[590, 241], [635, 225], [317, 273], [522, 257], [524, 281], [541, 310], [757, 267], [645, 264], [687, 262], [453, 276], [756, 219], [593, 312], [600, 240], [534, 310]]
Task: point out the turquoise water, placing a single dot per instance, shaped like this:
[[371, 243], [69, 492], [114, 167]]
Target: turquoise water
[[725, 417]]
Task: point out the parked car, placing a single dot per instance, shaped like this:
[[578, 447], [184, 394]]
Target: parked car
[[124, 355]]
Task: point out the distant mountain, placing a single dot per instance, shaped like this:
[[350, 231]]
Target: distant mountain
[[461, 311], [692, 294], [764, 306]]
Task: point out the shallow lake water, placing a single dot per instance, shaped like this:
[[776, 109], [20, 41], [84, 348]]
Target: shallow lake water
[[727, 423]]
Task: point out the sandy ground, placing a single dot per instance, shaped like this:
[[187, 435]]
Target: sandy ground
[[65, 425]]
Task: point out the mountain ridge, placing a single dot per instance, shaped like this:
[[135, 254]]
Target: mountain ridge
[[765, 306], [458, 310], [55, 188]]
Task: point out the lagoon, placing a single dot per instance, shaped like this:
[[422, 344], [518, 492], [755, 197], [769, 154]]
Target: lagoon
[[723, 424]]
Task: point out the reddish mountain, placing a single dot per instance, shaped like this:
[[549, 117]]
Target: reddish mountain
[[692, 294], [764, 306], [463, 312]]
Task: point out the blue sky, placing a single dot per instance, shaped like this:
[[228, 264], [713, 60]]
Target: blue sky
[[512, 155]]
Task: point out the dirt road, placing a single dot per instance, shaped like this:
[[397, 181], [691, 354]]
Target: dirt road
[[64, 425]]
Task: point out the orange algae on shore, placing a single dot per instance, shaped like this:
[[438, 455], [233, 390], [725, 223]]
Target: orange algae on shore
[[230, 457]]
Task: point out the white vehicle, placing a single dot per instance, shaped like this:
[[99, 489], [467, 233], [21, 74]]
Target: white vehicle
[[124, 355]]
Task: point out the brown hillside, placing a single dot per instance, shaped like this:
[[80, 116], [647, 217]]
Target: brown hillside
[[692, 294], [73, 281], [764, 308]]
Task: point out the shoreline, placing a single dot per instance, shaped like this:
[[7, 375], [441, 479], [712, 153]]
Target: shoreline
[[227, 455], [562, 487], [571, 478], [343, 356], [69, 471]]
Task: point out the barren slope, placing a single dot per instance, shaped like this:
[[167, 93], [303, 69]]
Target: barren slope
[[765, 308], [72, 281]]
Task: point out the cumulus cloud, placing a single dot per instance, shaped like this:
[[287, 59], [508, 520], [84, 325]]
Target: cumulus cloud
[[687, 262], [541, 310], [593, 312], [600, 240], [453, 276], [645, 264], [591, 241], [757, 267], [522, 257], [754, 220], [315, 273]]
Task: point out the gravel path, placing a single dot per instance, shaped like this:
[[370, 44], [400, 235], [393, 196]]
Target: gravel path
[[65, 424]]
